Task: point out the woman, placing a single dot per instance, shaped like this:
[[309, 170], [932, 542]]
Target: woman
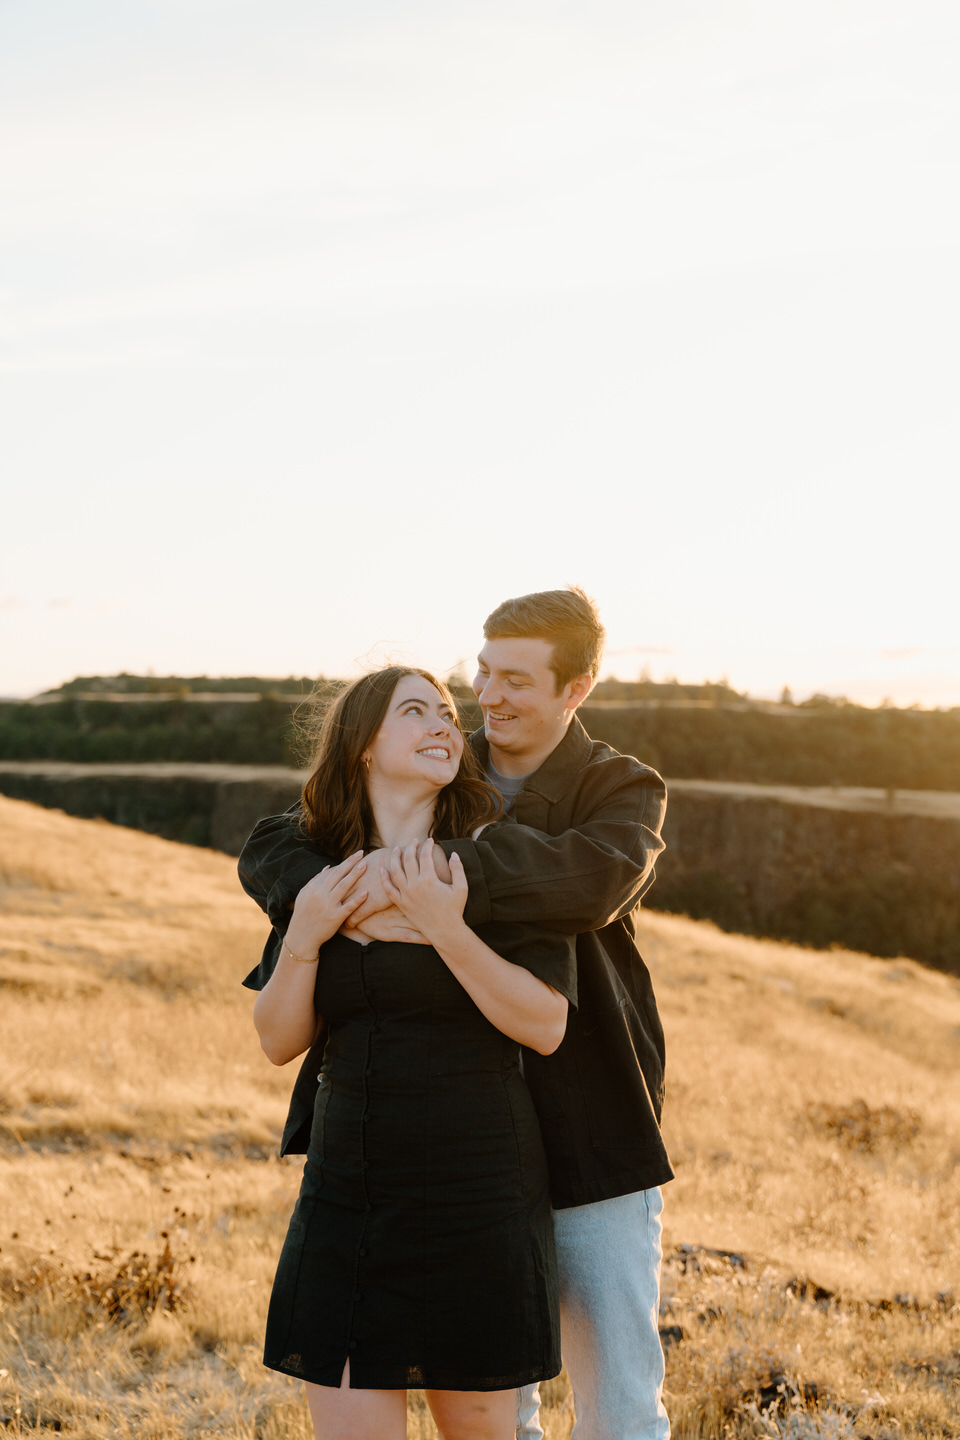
[[420, 1250]]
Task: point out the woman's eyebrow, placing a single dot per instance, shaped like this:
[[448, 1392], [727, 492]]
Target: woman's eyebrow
[[413, 700]]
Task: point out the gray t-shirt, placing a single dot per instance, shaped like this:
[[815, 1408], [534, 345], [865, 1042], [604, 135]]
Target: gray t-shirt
[[508, 785]]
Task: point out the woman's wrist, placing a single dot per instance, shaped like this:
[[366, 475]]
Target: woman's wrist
[[447, 934], [300, 959], [303, 939]]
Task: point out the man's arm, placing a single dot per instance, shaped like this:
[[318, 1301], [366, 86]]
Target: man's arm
[[577, 881], [278, 860], [581, 879]]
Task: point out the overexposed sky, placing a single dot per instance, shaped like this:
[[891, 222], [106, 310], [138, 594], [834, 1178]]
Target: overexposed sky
[[323, 328]]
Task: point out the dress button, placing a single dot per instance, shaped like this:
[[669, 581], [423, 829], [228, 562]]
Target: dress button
[[362, 1252], [352, 1345]]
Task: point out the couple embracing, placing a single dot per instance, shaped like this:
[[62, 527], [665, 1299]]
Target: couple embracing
[[454, 951]]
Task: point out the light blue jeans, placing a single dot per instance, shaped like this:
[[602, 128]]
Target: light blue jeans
[[609, 1255]]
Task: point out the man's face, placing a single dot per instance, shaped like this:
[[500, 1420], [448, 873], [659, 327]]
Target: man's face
[[524, 718]]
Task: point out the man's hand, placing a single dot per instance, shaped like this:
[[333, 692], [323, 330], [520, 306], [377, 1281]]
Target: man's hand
[[378, 862], [389, 924]]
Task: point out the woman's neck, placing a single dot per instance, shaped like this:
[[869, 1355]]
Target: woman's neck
[[400, 818]]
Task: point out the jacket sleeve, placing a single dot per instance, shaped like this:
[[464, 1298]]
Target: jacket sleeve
[[276, 863], [581, 879]]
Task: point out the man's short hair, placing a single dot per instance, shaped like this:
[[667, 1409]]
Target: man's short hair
[[567, 619]]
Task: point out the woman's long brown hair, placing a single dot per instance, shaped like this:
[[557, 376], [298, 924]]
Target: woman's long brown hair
[[335, 806]]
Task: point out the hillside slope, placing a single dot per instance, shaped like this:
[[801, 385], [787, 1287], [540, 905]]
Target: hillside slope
[[812, 1114]]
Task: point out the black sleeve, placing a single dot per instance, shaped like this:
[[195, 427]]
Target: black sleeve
[[261, 973], [581, 879], [550, 956], [276, 863]]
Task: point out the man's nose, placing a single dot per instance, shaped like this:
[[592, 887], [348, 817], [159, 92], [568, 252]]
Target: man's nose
[[489, 692]]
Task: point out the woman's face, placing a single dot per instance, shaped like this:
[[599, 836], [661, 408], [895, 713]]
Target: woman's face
[[418, 737]]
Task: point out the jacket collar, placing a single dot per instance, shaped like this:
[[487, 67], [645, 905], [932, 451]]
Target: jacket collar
[[552, 780]]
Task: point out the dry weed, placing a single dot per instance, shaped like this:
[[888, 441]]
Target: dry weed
[[812, 1114]]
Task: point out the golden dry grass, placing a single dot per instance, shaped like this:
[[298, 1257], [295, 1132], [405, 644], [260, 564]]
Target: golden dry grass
[[811, 1266]]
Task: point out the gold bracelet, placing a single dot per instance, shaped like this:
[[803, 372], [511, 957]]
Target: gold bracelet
[[301, 959]]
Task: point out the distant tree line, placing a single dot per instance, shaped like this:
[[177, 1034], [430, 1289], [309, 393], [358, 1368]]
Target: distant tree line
[[172, 685], [720, 736], [109, 731], [834, 745]]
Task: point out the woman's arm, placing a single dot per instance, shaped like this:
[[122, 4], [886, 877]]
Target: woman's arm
[[517, 1002], [284, 1013]]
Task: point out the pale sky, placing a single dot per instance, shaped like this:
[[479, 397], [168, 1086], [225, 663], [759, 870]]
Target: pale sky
[[325, 327]]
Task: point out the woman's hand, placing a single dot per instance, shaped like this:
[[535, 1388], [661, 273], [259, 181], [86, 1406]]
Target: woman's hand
[[432, 906], [323, 905]]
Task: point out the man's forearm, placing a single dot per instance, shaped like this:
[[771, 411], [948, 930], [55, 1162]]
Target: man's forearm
[[573, 882]]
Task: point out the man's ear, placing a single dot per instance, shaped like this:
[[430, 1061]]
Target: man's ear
[[577, 691]]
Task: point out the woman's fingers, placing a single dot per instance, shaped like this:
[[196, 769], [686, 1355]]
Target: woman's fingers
[[347, 881], [395, 871], [389, 887], [352, 902], [411, 860], [345, 866]]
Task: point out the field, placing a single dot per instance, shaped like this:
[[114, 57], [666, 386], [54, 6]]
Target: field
[[811, 1274]]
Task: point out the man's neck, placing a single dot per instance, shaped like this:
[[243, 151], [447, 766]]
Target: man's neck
[[516, 767]]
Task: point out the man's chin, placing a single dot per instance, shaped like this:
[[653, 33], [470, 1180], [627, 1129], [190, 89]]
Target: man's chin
[[497, 738]]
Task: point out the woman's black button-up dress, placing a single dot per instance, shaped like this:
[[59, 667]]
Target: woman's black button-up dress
[[421, 1245]]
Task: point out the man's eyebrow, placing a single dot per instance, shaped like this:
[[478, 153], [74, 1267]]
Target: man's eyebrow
[[526, 674]]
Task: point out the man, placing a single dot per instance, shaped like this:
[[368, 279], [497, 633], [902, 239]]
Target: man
[[578, 860]]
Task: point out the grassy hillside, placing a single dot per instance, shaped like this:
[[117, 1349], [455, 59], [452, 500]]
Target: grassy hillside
[[811, 1268]]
